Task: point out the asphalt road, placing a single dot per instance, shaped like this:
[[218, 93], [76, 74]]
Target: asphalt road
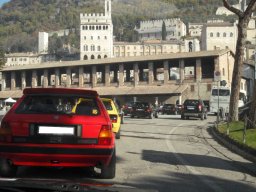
[[167, 154]]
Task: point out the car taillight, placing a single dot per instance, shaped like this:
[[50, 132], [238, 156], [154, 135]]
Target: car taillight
[[106, 135], [5, 132], [200, 107], [113, 118]]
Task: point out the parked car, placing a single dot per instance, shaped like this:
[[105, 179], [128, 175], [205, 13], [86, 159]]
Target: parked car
[[142, 109], [194, 108], [127, 108], [57, 127], [169, 109], [114, 114]]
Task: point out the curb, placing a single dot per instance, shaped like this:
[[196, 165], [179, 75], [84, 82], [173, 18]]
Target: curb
[[245, 151]]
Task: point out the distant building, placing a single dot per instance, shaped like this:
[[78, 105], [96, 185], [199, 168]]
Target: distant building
[[17, 59], [42, 42], [150, 47], [96, 34], [195, 29], [150, 30], [217, 35]]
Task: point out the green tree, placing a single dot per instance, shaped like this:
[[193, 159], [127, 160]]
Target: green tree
[[164, 33]]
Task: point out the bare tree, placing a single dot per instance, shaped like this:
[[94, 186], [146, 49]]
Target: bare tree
[[243, 20]]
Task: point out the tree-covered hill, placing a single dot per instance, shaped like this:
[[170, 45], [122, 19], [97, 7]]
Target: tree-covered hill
[[20, 21]]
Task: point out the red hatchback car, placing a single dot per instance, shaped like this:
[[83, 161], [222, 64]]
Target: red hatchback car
[[57, 127]]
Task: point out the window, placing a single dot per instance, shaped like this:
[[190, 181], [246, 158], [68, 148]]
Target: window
[[98, 48], [91, 37], [84, 37], [105, 37], [211, 34], [92, 48], [98, 37], [218, 34], [224, 34], [231, 34], [223, 72]]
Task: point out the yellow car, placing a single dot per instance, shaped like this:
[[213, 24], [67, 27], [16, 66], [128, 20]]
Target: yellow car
[[114, 114]]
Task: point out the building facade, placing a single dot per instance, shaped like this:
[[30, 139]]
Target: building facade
[[195, 29], [170, 78], [153, 47], [217, 34], [19, 59], [150, 30], [96, 34]]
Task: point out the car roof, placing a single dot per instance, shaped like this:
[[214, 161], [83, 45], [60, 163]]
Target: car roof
[[69, 91]]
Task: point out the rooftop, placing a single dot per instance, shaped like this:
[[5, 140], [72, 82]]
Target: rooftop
[[118, 60]]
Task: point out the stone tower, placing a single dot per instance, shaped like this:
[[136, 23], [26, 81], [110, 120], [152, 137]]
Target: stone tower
[[96, 34]]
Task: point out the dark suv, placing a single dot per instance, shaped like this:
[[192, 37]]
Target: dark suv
[[142, 109], [169, 109], [194, 108]]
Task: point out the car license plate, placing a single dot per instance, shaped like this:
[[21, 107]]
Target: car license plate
[[190, 108], [54, 130], [139, 109]]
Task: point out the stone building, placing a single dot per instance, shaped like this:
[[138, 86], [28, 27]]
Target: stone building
[[96, 34], [149, 30], [150, 47], [195, 29], [217, 34], [18, 59]]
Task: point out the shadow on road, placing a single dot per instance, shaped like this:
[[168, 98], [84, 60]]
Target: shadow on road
[[181, 182], [197, 161]]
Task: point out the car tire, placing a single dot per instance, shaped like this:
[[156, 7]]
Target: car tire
[[7, 169], [109, 171], [118, 134], [202, 117]]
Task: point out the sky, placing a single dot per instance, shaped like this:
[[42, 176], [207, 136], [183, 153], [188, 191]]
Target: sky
[[2, 2]]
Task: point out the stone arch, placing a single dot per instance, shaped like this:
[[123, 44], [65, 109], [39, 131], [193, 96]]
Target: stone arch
[[92, 57], [99, 57], [105, 56], [85, 57]]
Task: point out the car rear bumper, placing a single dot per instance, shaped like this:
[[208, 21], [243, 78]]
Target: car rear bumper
[[55, 156], [192, 114], [141, 113]]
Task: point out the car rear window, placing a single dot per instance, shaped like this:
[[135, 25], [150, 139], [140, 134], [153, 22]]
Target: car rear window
[[108, 105], [58, 104], [141, 105], [191, 102]]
